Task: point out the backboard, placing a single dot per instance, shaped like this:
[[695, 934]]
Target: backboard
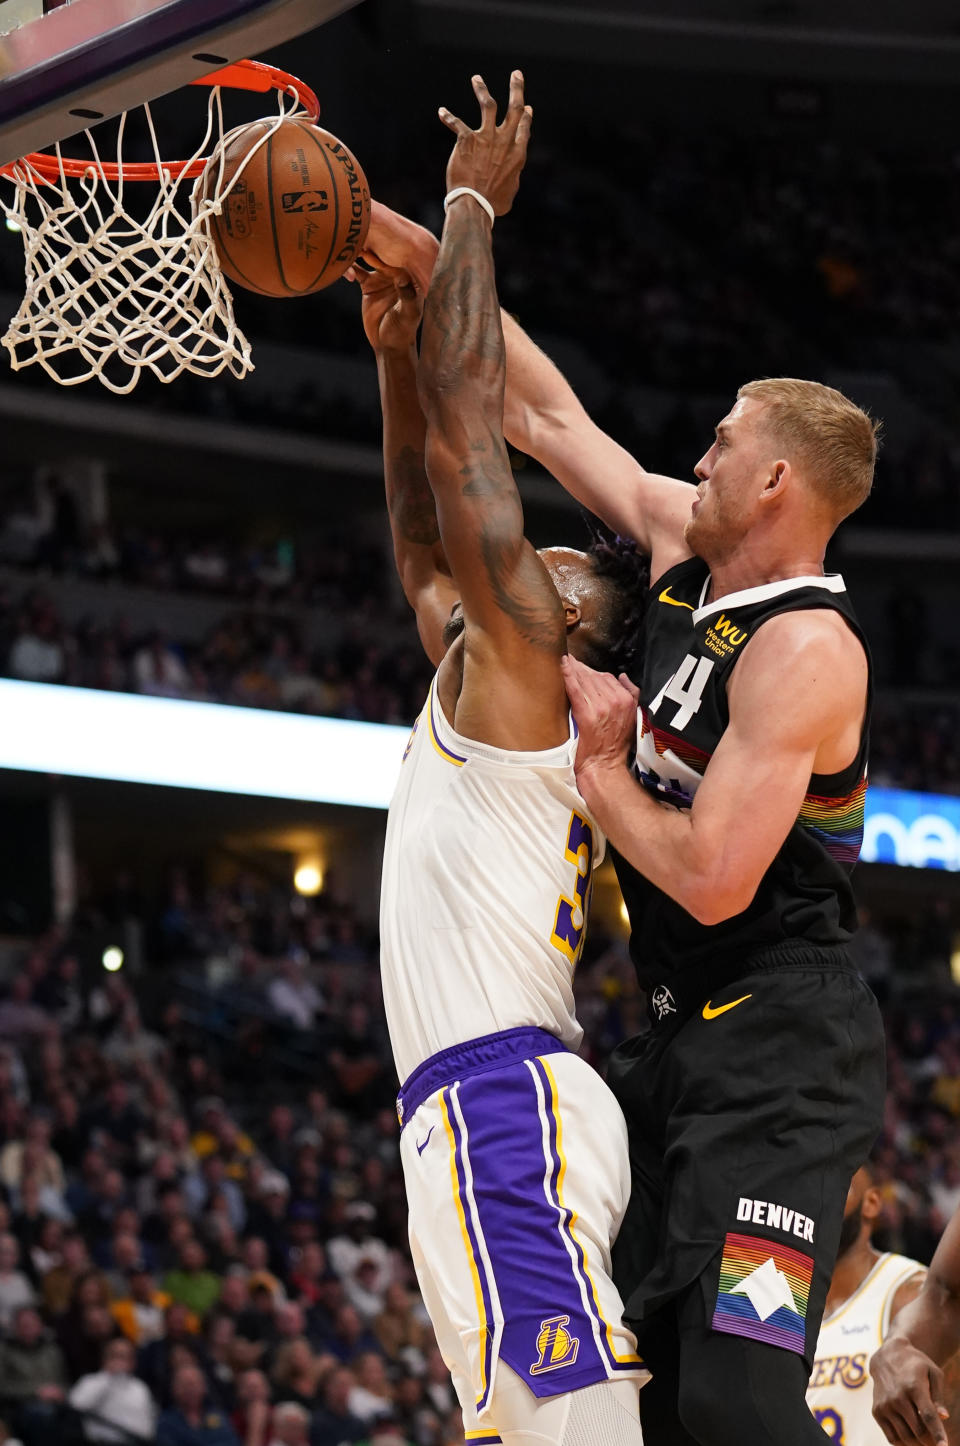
[[86, 60]]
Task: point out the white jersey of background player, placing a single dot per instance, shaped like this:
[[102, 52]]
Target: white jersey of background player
[[866, 1292], [514, 1151]]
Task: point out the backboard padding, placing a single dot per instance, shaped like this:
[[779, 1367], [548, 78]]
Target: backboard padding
[[95, 58]]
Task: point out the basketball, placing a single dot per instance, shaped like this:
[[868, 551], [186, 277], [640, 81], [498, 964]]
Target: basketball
[[298, 213]]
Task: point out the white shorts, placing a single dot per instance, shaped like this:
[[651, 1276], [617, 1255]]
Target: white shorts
[[515, 1159]]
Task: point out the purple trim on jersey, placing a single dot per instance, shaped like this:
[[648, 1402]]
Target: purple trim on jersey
[[474, 1056], [548, 1335], [488, 1315], [457, 757]]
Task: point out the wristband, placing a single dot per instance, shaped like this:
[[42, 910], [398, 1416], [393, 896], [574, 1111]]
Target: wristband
[[469, 191]]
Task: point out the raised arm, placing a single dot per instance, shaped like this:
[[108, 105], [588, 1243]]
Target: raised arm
[[512, 693], [391, 317], [909, 1386], [544, 418]]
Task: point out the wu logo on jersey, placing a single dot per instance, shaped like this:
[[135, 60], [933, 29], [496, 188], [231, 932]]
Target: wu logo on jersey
[[557, 1347]]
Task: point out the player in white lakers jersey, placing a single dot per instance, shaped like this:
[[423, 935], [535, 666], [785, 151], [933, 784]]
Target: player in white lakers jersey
[[867, 1291], [514, 1151]]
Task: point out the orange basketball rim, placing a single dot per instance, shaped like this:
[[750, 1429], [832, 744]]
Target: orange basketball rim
[[250, 75]]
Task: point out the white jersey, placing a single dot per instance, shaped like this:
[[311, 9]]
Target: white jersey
[[486, 885], [840, 1393]]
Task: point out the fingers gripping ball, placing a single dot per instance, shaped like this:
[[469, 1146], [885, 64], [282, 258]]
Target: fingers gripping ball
[[298, 213]]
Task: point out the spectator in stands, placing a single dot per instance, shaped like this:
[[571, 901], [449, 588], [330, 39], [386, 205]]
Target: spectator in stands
[[256, 1265], [45, 1252], [32, 1368], [158, 670], [308, 1273], [60, 1282], [334, 1423], [20, 1019], [387, 1431], [15, 1288], [37, 655], [357, 1061], [291, 995], [370, 1397], [252, 1418], [346, 1251], [297, 1372], [219, 1338], [257, 1322], [46, 1164], [156, 1359], [115, 1397], [290, 1425], [396, 1328], [193, 1419], [140, 1311], [83, 1336], [439, 1388], [349, 1336], [192, 1284]]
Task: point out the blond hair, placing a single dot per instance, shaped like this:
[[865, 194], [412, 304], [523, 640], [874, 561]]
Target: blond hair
[[834, 440]]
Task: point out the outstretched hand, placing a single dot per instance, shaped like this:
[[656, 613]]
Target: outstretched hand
[[490, 159], [605, 711], [908, 1395], [392, 307]]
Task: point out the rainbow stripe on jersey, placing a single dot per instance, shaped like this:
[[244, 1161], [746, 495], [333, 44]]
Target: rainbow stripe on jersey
[[836, 823], [763, 1292]]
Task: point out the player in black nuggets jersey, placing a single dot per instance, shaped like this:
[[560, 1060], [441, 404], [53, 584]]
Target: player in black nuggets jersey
[[757, 1090]]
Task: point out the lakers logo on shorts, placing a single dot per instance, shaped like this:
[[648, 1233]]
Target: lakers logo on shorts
[[557, 1347]]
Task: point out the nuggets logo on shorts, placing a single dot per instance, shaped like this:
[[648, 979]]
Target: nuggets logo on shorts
[[763, 1292], [557, 1347]]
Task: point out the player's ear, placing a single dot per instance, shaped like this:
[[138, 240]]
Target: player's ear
[[871, 1206], [572, 615], [777, 481]]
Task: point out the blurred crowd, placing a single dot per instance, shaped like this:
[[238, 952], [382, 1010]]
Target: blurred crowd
[[192, 1250], [202, 1223], [254, 658], [45, 530], [916, 745]]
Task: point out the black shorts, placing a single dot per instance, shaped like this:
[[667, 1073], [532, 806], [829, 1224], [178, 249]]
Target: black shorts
[[748, 1114]]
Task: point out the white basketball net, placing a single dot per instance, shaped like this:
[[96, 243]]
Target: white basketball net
[[111, 295]]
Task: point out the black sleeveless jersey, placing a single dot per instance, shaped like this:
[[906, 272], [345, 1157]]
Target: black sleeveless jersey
[[805, 895]]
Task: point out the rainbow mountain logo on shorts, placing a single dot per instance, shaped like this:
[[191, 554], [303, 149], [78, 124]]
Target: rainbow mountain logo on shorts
[[556, 1346], [763, 1292]]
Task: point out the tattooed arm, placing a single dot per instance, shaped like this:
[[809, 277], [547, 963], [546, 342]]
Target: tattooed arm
[[391, 316], [512, 692]]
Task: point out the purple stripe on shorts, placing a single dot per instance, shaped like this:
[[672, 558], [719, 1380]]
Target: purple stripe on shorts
[[547, 1336]]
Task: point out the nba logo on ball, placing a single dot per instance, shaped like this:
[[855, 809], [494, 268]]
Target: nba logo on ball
[[305, 201], [556, 1346]]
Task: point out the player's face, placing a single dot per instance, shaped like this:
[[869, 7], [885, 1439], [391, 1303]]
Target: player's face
[[732, 475]]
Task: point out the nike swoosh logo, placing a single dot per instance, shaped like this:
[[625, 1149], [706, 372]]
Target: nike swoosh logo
[[710, 1013], [674, 601], [421, 1148]]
